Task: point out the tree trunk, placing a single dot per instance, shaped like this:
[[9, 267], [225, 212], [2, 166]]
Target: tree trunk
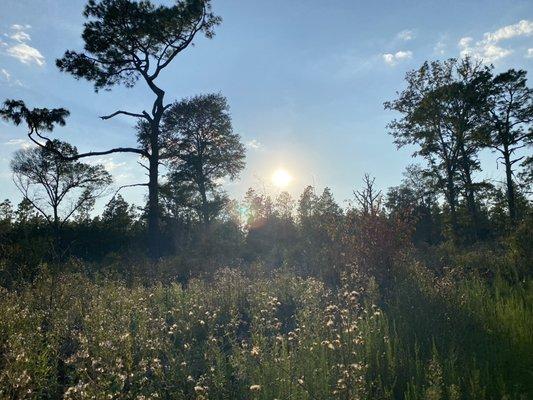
[[153, 208], [154, 233], [471, 201], [57, 235], [469, 190], [450, 194], [205, 211], [511, 197], [453, 213]]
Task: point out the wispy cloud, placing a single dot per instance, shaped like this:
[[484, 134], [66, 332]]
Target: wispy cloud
[[18, 27], [441, 46], [406, 35], [5, 76], [108, 162], [21, 143], [489, 48], [529, 53], [483, 50], [26, 54], [253, 144], [522, 28], [20, 49], [394, 58], [20, 36]]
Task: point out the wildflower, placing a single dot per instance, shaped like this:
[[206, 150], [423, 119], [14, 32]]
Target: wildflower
[[199, 389], [255, 351], [255, 388]]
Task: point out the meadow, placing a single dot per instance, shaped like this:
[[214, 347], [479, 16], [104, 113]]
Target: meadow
[[189, 248], [259, 334]]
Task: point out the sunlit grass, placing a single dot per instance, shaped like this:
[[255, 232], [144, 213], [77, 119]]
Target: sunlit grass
[[276, 336]]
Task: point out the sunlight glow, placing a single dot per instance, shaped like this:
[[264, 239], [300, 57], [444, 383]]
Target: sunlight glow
[[281, 178]]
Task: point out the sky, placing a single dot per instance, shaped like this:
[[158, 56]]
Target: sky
[[305, 79]]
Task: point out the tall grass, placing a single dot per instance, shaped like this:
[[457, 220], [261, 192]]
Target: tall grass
[[276, 336]]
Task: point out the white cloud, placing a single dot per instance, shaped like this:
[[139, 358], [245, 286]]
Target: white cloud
[[5, 73], [22, 143], [529, 53], [21, 50], [406, 35], [441, 46], [253, 144], [18, 27], [124, 178], [26, 54], [392, 59], [489, 48], [20, 36], [482, 50], [5, 76], [522, 28], [109, 164]]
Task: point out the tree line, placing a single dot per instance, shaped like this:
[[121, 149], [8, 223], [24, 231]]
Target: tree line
[[452, 110], [449, 112]]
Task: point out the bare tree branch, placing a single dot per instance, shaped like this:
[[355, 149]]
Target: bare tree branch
[[131, 114], [49, 147]]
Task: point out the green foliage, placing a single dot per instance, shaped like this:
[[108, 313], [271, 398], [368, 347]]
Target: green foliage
[[270, 336], [202, 150], [55, 187], [123, 38], [36, 119]]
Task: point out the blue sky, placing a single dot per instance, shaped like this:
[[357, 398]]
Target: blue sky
[[306, 81]]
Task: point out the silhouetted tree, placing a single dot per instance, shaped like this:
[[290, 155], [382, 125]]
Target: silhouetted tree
[[368, 198], [509, 125], [306, 205], [258, 208], [6, 212], [117, 214], [6, 221], [54, 187], [126, 41], [25, 213], [442, 111], [179, 202], [464, 100], [284, 206], [37, 120], [414, 202], [320, 227], [526, 175], [83, 213], [203, 149]]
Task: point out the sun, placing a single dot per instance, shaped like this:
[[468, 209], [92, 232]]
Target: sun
[[281, 178]]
